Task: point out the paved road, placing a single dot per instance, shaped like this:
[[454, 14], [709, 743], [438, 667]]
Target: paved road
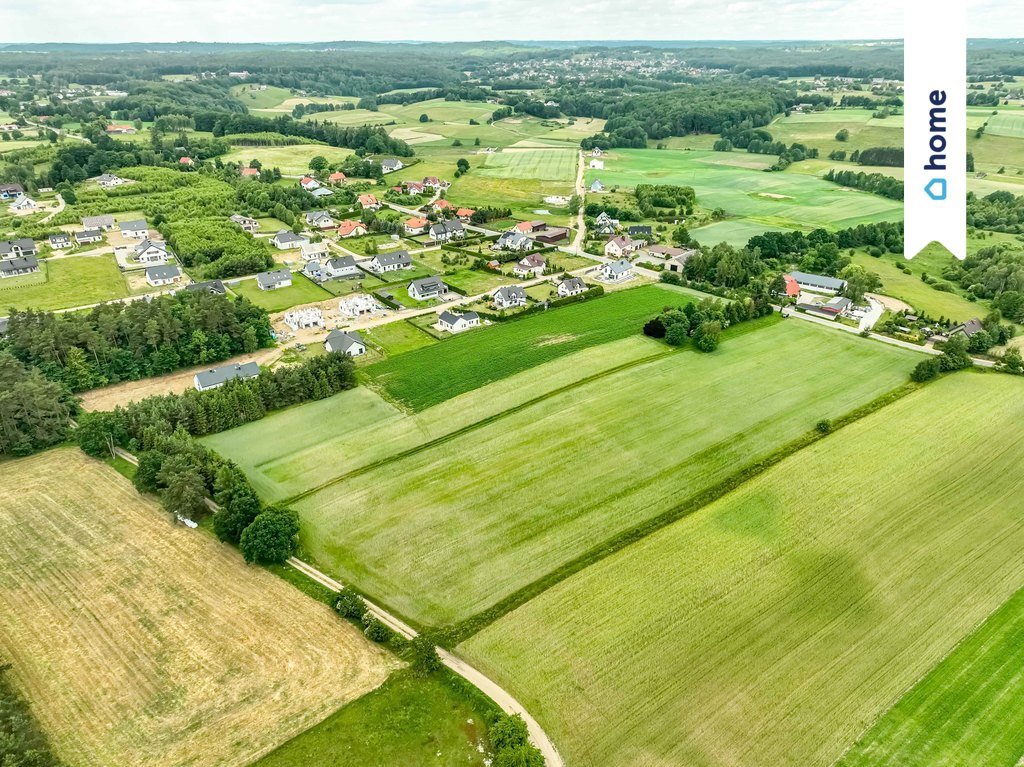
[[485, 684]]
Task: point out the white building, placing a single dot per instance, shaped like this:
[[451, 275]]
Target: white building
[[350, 343], [456, 323], [309, 317]]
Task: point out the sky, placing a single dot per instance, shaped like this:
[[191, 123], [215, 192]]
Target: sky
[[84, 21]]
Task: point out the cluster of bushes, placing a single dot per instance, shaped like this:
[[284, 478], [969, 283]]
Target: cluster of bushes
[[217, 246], [704, 322], [876, 183], [22, 741], [996, 273], [885, 156], [669, 200], [35, 412], [128, 341], [998, 212]]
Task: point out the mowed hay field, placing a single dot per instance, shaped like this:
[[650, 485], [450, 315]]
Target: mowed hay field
[[444, 532], [140, 642], [979, 687], [775, 625], [292, 160]]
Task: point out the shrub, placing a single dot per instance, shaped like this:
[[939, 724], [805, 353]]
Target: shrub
[[706, 336], [374, 630], [271, 538], [926, 370], [425, 659], [824, 426], [676, 335], [655, 328], [349, 604]]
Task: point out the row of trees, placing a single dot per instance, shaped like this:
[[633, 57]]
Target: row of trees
[[876, 183], [703, 323]]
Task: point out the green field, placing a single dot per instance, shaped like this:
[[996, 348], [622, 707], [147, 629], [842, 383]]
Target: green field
[[781, 620], [1007, 123], [446, 531], [909, 288], [397, 337], [818, 130], [257, 99], [426, 377], [63, 283], [301, 291], [968, 710], [538, 164], [292, 160]]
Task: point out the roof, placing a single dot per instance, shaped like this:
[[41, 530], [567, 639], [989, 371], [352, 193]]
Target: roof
[[286, 235], [211, 286], [618, 267], [639, 229], [969, 328], [87, 234], [529, 226], [464, 212], [238, 218], [60, 237], [225, 373], [17, 264], [367, 199], [90, 222], [443, 227], [443, 205], [148, 243], [622, 241], [451, 317], [139, 223], [341, 341], [574, 282], [273, 277], [416, 223], [250, 171], [390, 162], [395, 257], [510, 291], [321, 192], [431, 284], [337, 176], [168, 272], [819, 280], [24, 243], [342, 262], [533, 260], [348, 226]]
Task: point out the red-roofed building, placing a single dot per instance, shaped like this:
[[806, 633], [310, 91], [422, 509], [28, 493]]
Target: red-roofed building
[[337, 178], [368, 202], [349, 228], [792, 288], [250, 172], [125, 129], [465, 213], [309, 183], [187, 161], [416, 225], [443, 205]]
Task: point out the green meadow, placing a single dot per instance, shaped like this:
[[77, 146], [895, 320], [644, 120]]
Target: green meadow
[[63, 283]]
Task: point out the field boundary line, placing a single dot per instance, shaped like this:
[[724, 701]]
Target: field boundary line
[[476, 425], [459, 632]]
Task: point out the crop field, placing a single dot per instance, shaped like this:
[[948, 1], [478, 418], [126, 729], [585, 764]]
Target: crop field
[[968, 710], [292, 160], [425, 377], [1006, 123], [818, 130], [397, 337], [439, 110], [446, 531], [301, 291], [138, 641], [734, 231], [992, 152], [539, 164], [65, 282], [788, 615], [773, 200]]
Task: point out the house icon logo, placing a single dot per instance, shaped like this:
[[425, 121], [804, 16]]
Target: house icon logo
[[936, 189]]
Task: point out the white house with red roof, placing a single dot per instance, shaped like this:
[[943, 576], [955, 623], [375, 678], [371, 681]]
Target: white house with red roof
[[349, 228], [309, 183], [368, 202]]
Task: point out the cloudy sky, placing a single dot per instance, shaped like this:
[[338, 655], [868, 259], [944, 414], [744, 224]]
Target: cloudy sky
[[319, 20]]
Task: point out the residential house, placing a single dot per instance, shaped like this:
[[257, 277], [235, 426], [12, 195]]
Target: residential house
[[456, 323], [640, 233], [443, 206], [342, 267], [319, 219], [119, 130], [17, 248], [11, 191], [15, 267], [106, 222], [967, 329], [513, 240], [435, 183], [391, 164], [532, 265], [443, 231], [464, 214], [416, 225], [426, 288], [109, 180], [248, 224], [349, 228], [152, 253], [213, 287], [345, 342], [211, 379], [413, 188], [597, 186], [508, 297], [596, 152], [571, 286], [60, 241], [618, 247], [616, 271], [337, 178], [250, 172], [309, 183], [390, 262], [88, 235], [368, 202], [187, 161], [274, 279], [23, 204], [818, 282], [136, 230], [301, 319], [605, 224], [311, 250], [529, 227], [286, 239], [158, 276], [322, 192]]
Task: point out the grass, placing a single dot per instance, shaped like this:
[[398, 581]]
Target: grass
[[408, 720], [301, 291], [786, 616], [271, 96], [425, 377], [445, 531], [397, 337], [292, 160], [138, 641], [540, 164], [968, 710], [818, 130], [65, 282]]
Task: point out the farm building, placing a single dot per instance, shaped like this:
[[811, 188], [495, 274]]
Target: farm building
[[322, 192], [211, 379], [829, 310], [508, 297], [551, 235], [158, 276], [529, 227], [272, 280], [818, 282], [345, 342], [427, 288], [456, 323]]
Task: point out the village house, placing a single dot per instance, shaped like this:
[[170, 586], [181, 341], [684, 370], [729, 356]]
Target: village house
[[427, 288], [250, 172], [596, 164], [157, 276], [967, 329], [337, 178], [274, 279], [464, 214], [349, 228], [509, 297], [390, 262], [435, 183], [416, 225], [605, 224], [106, 222], [109, 180], [641, 234], [529, 227], [286, 239], [322, 192], [618, 247], [443, 206], [211, 379], [152, 253], [391, 164], [818, 282], [320, 219], [136, 230], [597, 186], [309, 183], [301, 319], [213, 287], [345, 342], [678, 263], [443, 231], [187, 161], [11, 191], [60, 241], [368, 202], [571, 286], [532, 265], [88, 236], [513, 240], [456, 323], [342, 267], [119, 130], [616, 271], [17, 248], [413, 188], [596, 152], [248, 224], [15, 267], [23, 204], [310, 250]]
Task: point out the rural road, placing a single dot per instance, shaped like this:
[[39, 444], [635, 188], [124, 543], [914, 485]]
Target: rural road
[[485, 684]]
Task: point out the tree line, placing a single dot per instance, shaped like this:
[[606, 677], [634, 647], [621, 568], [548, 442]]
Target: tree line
[[702, 323], [876, 183]]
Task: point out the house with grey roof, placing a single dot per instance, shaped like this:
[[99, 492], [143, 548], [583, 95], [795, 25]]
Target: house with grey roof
[[286, 239], [342, 267], [105, 222], [89, 235], [455, 322], [512, 240], [152, 252], [247, 223], [391, 164], [11, 191], [17, 248], [616, 271], [321, 192], [345, 342], [15, 267], [109, 180], [571, 286], [215, 377], [967, 329], [319, 219], [390, 262], [22, 204], [427, 288], [818, 282], [213, 287], [532, 265], [509, 297], [158, 276], [60, 240], [443, 231], [272, 280], [136, 230]]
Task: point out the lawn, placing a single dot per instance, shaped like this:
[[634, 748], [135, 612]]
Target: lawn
[[301, 291], [425, 377], [292, 160], [444, 532], [909, 288], [968, 710], [773, 626], [139, 641], [397, 337], [63, 283]]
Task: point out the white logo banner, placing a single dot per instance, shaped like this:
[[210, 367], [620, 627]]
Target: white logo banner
[[935, 126]]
